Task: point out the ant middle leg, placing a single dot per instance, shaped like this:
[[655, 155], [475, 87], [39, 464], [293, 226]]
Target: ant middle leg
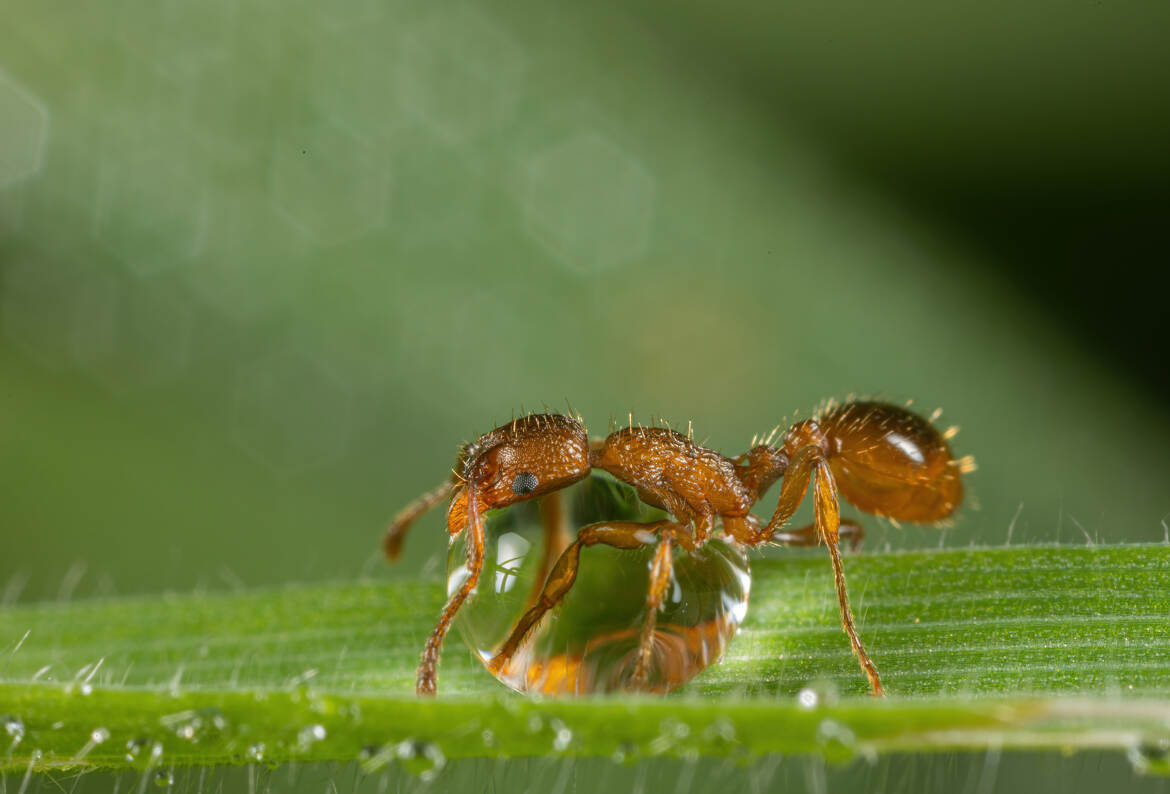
[[628, 535]]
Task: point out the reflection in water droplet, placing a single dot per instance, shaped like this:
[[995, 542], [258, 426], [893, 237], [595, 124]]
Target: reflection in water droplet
[[590, 643], [99, 735]]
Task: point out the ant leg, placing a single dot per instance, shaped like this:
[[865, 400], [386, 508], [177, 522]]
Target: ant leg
[[396, 533], [809, 464], [828, 521], [555, 539], [427, 678], [618, 534], [746, 529], [660, 569], [808, 536]]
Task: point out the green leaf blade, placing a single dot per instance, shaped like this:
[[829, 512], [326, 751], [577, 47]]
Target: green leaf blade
[[1035, 646]]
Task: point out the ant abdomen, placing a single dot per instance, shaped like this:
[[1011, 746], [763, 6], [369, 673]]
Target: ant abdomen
[[890, 461]]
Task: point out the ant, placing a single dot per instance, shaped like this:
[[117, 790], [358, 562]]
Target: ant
[[883, 458]]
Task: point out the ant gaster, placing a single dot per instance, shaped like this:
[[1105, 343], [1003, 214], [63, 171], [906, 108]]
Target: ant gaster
[[883, 458]]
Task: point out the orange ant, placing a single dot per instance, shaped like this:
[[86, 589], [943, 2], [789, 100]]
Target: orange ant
[[883, 458]]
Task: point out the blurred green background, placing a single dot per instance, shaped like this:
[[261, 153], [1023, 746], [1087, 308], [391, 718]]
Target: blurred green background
[[263, 265]]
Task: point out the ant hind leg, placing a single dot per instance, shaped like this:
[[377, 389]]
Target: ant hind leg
[[828, 521], [849, 531], [808, 464]]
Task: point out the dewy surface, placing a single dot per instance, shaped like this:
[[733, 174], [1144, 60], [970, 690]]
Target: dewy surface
[[589, 643]]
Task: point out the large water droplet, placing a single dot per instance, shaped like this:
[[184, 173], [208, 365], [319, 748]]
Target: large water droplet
[[590, 643], [164, 778]]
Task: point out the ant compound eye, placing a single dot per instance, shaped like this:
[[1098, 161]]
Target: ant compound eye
[[525, 482]]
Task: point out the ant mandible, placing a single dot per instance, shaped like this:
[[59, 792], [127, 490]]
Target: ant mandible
[[882, 458]]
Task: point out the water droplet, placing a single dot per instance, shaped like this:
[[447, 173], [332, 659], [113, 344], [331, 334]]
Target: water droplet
[[134, 748], [192, 726], [13, 727], [374, 757], [99, 735], [422, 759], [670, 733], [817, 694], [836, 740], [164, 778], [256, 752], [1151, 756], [593, 644], [720, 732], [85, 689], [489, 738], [310, 736], [625, 753], [562, 736]]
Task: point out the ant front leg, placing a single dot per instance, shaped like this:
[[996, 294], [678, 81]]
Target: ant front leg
[[426, 679], [808, 464], [628, 535]]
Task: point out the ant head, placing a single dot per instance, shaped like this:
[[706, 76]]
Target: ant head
[[526, 458]]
